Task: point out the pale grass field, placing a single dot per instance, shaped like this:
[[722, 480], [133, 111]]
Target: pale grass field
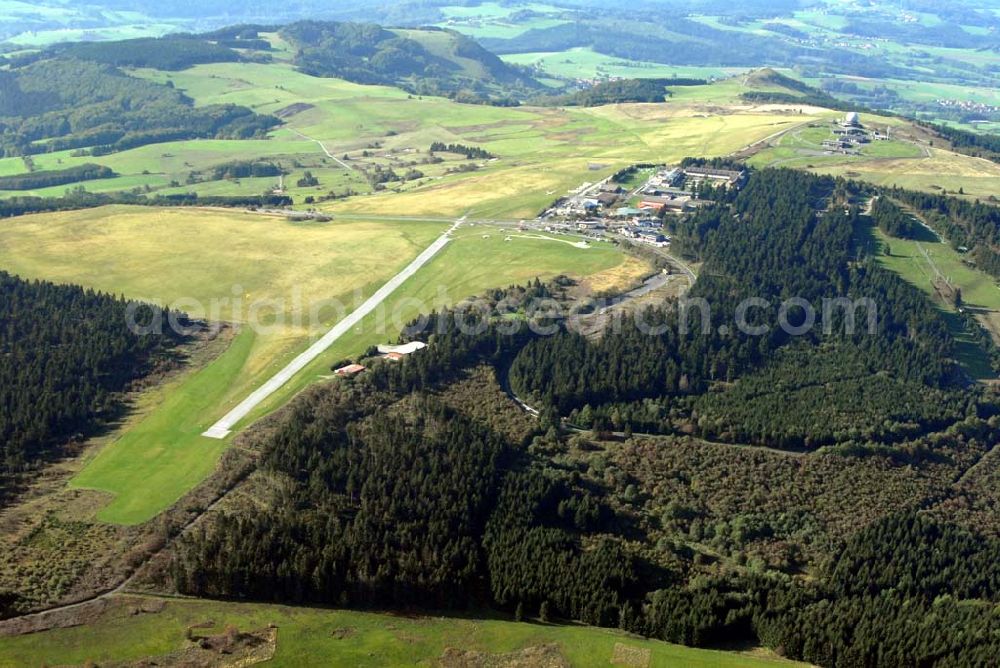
[[976, 177], [190, 258]]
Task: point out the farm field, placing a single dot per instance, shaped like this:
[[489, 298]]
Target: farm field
[[32, 24], [314, 636], [42, 38], [584, 63], [160, 255], [541, 151], [490, 19]]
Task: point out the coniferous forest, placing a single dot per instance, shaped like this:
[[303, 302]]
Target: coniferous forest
[[66, 356], [398, 487]]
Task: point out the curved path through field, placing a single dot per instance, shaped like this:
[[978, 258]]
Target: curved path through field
[[223, 427], [325, 149]]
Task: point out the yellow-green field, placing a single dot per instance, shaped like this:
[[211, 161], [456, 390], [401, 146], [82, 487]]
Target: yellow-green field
[[582, 62], [250, 269], [941, 170], [541, 152], [323, 637]]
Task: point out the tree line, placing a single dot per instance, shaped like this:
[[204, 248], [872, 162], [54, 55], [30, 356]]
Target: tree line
[[972, 227], [171, 53], [892, 220], [55, 177], [470, 152], [982, 145], [81, 199], [66, 356], [619, 91]]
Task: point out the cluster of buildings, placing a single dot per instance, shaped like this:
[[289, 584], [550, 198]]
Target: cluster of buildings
[[969, 107], [638, 212], [671, 190], [849, 135]]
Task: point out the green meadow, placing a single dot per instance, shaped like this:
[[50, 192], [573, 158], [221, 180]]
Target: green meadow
[[585, 63], [927, 264], [327, 637], [490, 19]]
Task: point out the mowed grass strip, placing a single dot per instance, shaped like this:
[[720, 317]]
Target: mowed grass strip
[[215, 265], [160, 459], [313, 636]]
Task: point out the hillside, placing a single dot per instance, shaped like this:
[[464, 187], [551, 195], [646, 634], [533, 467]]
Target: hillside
[[420, 483], [68, 356], [769, 86], [55, 102], [425, 61]]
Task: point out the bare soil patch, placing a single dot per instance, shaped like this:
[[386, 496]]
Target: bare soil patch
[[541, 656]]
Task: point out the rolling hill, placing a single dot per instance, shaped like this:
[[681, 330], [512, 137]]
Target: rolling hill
[[426, 61]]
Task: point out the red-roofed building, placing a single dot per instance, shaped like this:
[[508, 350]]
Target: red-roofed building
[[349, 370]]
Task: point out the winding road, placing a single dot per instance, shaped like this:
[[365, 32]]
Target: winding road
[[223, 427], [325, 149]]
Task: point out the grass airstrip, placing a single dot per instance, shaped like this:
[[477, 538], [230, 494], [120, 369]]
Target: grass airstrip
[[312, 636], [250, 269]]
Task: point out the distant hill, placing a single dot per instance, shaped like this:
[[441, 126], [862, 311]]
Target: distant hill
[[619, 91], [59, 103], [678, 40], [427, 61], [769, 86], [770, 80], [175, 52]]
